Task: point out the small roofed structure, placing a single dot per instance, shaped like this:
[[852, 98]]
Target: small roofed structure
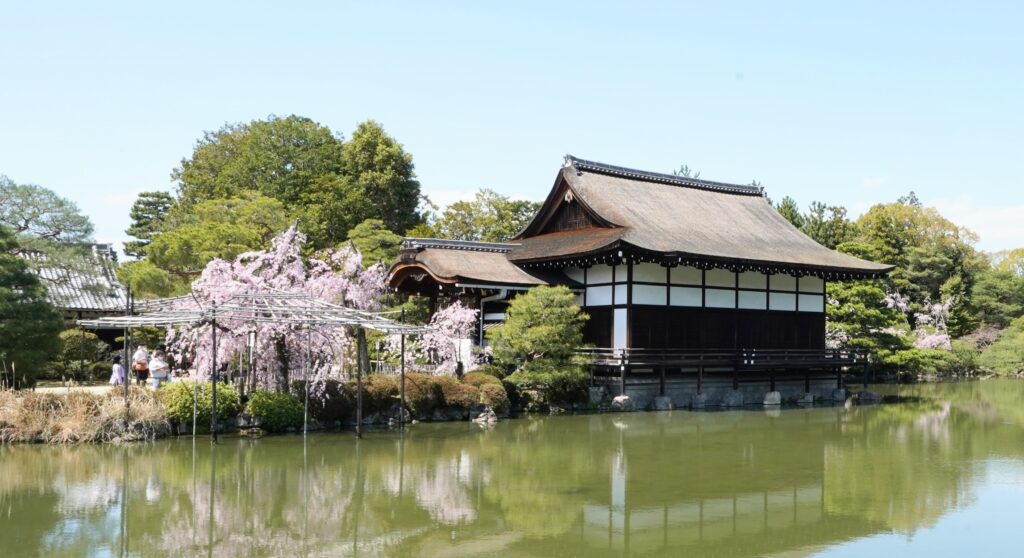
[[661, 263]]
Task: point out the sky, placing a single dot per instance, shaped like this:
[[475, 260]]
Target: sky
[[850, 103]]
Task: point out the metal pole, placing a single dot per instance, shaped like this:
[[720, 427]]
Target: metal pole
[[213, 416], [401, 384], [305, 380], [360, 354], [129, 368]]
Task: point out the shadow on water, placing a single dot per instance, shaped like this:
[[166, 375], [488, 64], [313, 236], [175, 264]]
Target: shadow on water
[[731, 483]]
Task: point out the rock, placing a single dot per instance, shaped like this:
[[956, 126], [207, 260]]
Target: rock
[[623, 403], [733, 398], [242, 421], [868, 398], [556, 410], [662, 403], [772, 399], [486, 417], [807, 399], [698, 401], [596, 395], [438, 415], [372, 418], [839, 394]]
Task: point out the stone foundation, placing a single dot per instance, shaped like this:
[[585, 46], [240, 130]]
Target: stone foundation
[[718, 391]]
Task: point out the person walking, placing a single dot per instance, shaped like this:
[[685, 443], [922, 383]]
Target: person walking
[[117, 375], [140, 364]]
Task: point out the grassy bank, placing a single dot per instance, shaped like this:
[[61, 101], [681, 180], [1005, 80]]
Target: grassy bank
[[81, 417]]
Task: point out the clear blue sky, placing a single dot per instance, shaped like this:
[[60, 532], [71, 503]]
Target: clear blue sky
[[851, 103]]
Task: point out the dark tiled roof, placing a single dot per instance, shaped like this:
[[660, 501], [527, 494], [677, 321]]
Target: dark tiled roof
[[91, 288]]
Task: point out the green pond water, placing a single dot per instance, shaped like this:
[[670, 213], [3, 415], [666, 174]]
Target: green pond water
[[940, 474]]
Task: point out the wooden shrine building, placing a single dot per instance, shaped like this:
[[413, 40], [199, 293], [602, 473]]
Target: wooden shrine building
[[677, 275]]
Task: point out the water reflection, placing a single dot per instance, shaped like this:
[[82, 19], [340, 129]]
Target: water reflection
[[728, 484]]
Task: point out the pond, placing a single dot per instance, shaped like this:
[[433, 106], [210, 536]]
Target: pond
[[938, 474]]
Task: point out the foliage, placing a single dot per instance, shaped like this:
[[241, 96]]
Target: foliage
[[218, 228], [457, 394], [1006, 355], [495, 397], [35, 213], [542, 328], [375, 242], [81, 417], [544, 324], [81, 349], [147, 213], [685, 171], [422, 394], [382, 172], [275, 411], [29, 325], [1012, 261], [828, 225], [490, 217], [791, 211], [479, 379], [178, 397], [998, 297], [148, 281]]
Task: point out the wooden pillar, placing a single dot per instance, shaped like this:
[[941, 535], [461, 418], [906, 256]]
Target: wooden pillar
[[215, 375], [661, 384], [362, 356]]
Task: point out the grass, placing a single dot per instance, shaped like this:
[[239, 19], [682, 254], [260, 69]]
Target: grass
[[63, 418]]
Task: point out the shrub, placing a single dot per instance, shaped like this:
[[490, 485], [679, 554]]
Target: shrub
[[422, 394], [495, 397], [479, 378], [457, 394], [275, 411], [565, 383], [177, 398], [380, 392]]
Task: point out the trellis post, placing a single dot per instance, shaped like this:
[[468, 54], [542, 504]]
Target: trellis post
[[213, 417], [401, 385]]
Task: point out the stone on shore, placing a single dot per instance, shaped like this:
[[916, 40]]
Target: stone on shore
[[807, 399], [623, 403], [772, 399], [839, 394], [486, 417]]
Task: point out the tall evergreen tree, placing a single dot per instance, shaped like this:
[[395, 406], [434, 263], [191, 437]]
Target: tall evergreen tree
[[147, 213]]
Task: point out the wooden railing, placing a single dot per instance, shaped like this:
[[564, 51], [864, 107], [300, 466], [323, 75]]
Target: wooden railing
[[732, 358]]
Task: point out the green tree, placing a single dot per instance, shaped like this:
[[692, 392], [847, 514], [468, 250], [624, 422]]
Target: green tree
[[791, 211], [542, 328], [147, 213], [1013, 261], [1006, 356], [828, 225], [46, 224], [489, 217], [998, 297], [29, 325], [383, 174], [218, 228], [375, 242], [149, 281]]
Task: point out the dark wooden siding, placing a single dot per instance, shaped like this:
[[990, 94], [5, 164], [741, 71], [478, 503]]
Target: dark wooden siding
[[656, 327]]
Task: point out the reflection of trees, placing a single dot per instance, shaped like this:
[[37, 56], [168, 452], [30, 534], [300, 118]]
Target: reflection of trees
[[712, 483]]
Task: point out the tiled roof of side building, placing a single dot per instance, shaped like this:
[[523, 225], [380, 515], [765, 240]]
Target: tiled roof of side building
[[92, 287]]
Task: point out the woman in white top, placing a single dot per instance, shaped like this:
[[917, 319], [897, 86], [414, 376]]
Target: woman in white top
[[159, 369], [117, 376]]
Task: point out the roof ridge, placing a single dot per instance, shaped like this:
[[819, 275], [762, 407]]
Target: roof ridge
[[447, 244], [582, 165]]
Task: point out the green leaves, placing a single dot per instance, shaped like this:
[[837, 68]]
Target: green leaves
[[490, 217]]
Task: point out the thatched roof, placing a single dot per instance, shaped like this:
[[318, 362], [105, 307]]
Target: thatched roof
[[675, 217], [603, 213]]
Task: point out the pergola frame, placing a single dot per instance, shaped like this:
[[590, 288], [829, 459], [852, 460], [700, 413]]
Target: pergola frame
[[274, 307]]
